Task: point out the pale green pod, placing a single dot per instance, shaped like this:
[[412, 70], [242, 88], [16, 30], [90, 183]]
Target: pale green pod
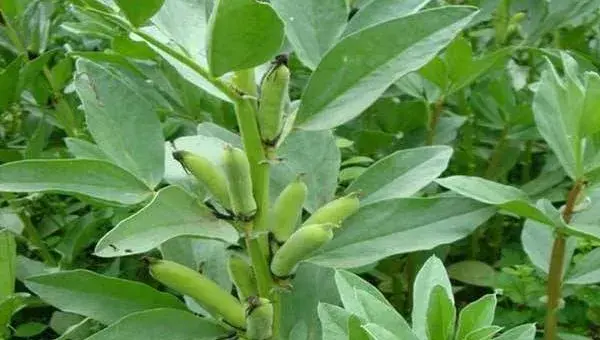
[[242, 275], [335, 211], [203, 290], [287, 209], [300, 246], [208, 174], [239, 182], [272, 102], [259, 319]]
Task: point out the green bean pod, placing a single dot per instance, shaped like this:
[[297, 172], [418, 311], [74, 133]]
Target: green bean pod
[[203, 290], [300, 246], [242, 275], [259, 318], [287, 209], [335, 211], [237, 171], [207, 173], [272, 102]]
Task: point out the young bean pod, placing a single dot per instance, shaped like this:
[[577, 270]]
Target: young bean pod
[[239, 183], [208, 173], [259, 318], [300, 246], [335, 211], [287, 209], [203, 290], [242, 275], [272, 102]]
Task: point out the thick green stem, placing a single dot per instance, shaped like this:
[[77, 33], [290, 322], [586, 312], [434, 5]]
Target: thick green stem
[[557, 264], [434, 119]]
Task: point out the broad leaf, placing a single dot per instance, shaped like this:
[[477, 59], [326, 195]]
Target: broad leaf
[[401, 174], [92, 178], [347, 283], [83, 149], [400, 226], [312, 26], [476, 315], [8, 259], [586, 269], [356, 330], [376, 332], [441, 315], [139, 11], [99, 297], [172, 213], [523, 332], [334, 321], [378, 11], [122, 120], [537, 240], [312, 285], [473, 272], [505, 197], [484, 333], [432, 274], [382, 314], [159, 324], [8, 83], [351, 77], [242, 34]]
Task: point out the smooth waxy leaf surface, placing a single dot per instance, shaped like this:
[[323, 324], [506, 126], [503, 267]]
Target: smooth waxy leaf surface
[[312, 26], [537, 240], [139, 11], [334, 321], [441, 315], [242, 34], [160, 324], [122, 120], [476, 315], [99, 297], [586, 270], [401, 174], [173, 212], [399, 226], [378, 11], [351, 77], [92, 178]]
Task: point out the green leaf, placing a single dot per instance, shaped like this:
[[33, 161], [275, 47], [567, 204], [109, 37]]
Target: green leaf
[[334, 321], [92, 178], [473, 272], [8, 83], [523, 332], [432, 274], [590, 118], [375, 311], [99, 297], [83, 149], [441, 315], [374, 232], [162, 323], [537, 240], [376, 332], [485, 333], [347, 283], [312, 26], [557, 107], [401, 174], [80, 331], [29, 329], [586, 269], [312, 285], [139, 11], [356, 330], [351, 77], [476, 315], [505, 197], [122, 120], [8, 258], [378, 11], [171, 213], [242, 34]]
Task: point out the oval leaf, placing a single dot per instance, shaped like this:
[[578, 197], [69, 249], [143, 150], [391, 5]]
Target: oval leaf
[[172, 213], [242, 34], [400, 226], [160, 324], [378, 11], [93, 178], [102, 298], [139, 11], [402, 173], [351, 77], [122, 121]]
